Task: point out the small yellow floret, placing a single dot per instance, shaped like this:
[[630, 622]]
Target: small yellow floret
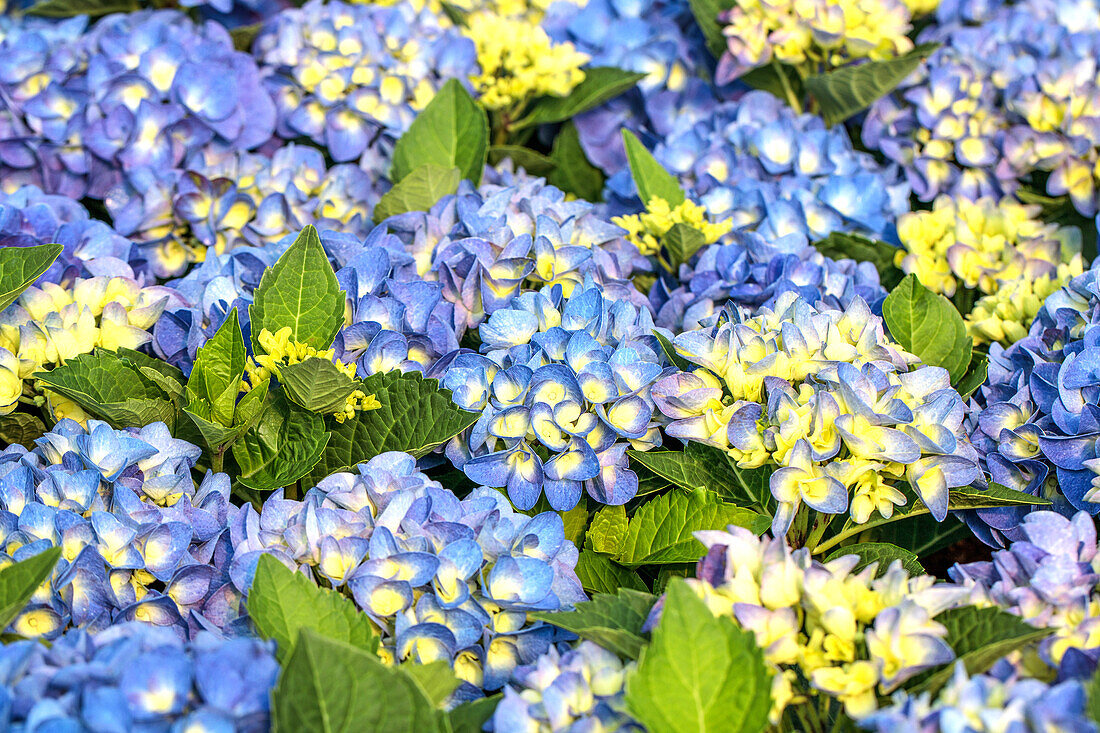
[[645, 230]]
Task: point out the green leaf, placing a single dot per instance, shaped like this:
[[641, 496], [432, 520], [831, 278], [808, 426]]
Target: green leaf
[[469, 717], [682, 242], [283, 446], [146, 363], [533, 162], [706, 16], [576, 521], [243, 36], [219, 366], [599, 574], [921, 534], [845, 91], [703, 466], [328, 686], [299, 291], [662, 530], [436, 679], [607, 533], [251, 405], [970, 497], [214, 434], [92, 8], [768, 78], [600, 84], [19, 581], [612, 621], [572, 172], [881, 552], [980, 637], [451, 132], [282, 602], [975, 376], [317, 385], [651, 179], [1092, 689], [112, 389], [840, 246], [700, 672], [416, 417], [418, 191], [926, 324], [670, 353], [19, 428], [21, 266]]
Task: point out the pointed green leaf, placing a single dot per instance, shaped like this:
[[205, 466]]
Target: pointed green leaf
[[851, 89], [529, 160], [19, 428], [980, 637], [881, 552], [111, 389], [417, 191], [572, 172], [317, 385], [662, 530], [328, 686], [284, 446], [470, 717], [970, 497], [601, 83], [612, 621], [926, 324], [703, 466], [436, 679], [451, 132], [299, 291], [214, 434], [975, 376], [706, 14], [1092, 689], [92, 8], [19, 581], [282, 602], [219, 367], [682, 242], [650, 177], [670, 353], [21, 266], [416, 417], [600, 574], [700, 672]]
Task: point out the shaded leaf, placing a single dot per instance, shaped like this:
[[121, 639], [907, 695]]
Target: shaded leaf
[[531, 161], [883, 553], [436, 679], [850, 89], [682, 242], [703, 466], [975, 376], [706, 14], [469, 717], [417, 191], [572, 172], [600, 574], [841, 245], [19, 428], [612, 621], [19, 581], [600, 84], [283, 446], [317, 385], [21, 266], [92, 8], [219, 367]]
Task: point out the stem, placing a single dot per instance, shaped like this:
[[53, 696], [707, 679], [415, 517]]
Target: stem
[[822, 523], [217, 461], [848, 532], [786, 84]]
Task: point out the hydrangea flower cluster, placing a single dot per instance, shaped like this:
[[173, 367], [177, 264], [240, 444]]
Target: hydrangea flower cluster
[[658, 38], [812, 35], [999, 249], [518, 62], [777, 172], [849, 635], [563, 389], [1013, 99], [566, 690], [29, 217], [137, 677], [442, 579], [1033, 421], [50, 324], [1049, 578], [139, 541], [824, 395], [987, 703], [350, 78], [485, 245]]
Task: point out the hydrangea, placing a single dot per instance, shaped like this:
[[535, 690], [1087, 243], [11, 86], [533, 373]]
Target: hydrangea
[[442, 579], [351, 78], [485, 245], [646, 230], [811, 34], [518, 63], [1000, 250], [777, 172], [1033, 421], [29, 217], [826, 630], [826, 397], [563, 389], [568, 690], [658, 38], [1049, 578], [137, 677], [987, 704], [1012, 99], [139, 540], [50, 324]]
